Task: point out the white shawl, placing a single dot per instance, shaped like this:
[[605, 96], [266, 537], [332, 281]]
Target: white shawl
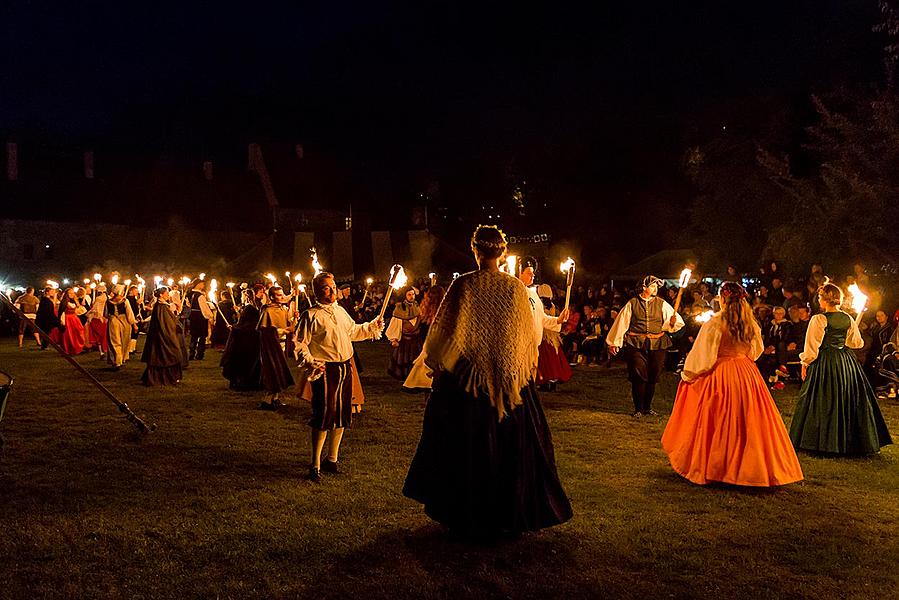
[[485, 318]]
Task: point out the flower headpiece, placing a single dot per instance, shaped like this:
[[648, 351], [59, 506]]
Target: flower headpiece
[[731, 289]]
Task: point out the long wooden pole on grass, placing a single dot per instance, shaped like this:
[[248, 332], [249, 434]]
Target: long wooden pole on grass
[[122, 406]]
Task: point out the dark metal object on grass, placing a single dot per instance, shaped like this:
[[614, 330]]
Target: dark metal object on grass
[[122, 406]]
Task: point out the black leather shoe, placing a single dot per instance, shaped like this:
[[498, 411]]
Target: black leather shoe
[[330, 466], [315, 475]]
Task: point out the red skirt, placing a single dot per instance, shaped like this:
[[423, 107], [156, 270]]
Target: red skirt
[[96, 335], [73, 336], [552, 364]]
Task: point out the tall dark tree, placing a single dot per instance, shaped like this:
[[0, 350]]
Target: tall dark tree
[[846, 208]]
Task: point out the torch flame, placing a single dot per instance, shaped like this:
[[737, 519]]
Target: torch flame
[[369, 281], [127, 282], [399, 277], [455, 276], [567, 265], [86, 281], [298, 278], [230, 284], [685, 276], [202, 276], [97, 277], [316, 266], [511, 264], [859, 300], [53, 284], [157, 279], [115, 279], [170, 281], [704, 317], [93, 286]]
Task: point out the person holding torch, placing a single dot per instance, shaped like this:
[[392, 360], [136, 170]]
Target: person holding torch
[[527, 275], [324, 346], [837, 411], [641, 332]]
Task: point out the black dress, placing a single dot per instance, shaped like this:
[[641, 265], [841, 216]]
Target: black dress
[[240, 362], [222, 325], [162, 350], [478, 475]]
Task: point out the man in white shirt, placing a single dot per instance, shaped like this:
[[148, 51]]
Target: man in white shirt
[[324, 347], [641, 332]]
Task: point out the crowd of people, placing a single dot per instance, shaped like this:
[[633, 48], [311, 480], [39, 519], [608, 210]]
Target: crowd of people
[[483, 347]]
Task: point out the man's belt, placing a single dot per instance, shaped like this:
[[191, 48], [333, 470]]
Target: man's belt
[[652, 336]]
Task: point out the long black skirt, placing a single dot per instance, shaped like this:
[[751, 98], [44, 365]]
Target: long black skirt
[[240, 362], [276, 376], [478, 475]]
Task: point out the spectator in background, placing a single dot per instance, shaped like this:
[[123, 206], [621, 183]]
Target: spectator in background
[[699, 301], [776, 292], [791, 298], [775, 335], [796, 340], [881, 331]]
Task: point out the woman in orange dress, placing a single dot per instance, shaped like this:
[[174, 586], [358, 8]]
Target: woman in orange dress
[[725, 426]]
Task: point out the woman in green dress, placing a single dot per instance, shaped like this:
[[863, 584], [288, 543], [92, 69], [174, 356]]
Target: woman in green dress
[[837, 410]]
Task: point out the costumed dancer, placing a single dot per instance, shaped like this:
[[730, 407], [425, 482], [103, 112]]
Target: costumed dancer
[[70, 309], [541, 321], [274, 325], [641, 332], [47, 319], [200, 316], [485, 463], [120, 325], [162, 349], [420, 375], [725, 426], [224, 321], [28, 303], [837, 410], [324, 346], [240, 362], [404, 333], [552, 365], [136, 302], [96, 322]]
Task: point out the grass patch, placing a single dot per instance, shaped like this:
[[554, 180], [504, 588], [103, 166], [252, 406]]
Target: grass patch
[[213, 503]]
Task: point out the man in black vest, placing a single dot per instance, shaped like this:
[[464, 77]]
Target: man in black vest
[[641, 332], [200, 316]]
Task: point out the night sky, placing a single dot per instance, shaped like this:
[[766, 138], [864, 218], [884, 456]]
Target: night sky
[[595, 103]]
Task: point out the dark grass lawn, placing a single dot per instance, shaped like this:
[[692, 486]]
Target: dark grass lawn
[[213, 504]]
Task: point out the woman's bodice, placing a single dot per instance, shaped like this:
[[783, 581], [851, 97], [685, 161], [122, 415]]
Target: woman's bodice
[[838, 324], [731, 347]]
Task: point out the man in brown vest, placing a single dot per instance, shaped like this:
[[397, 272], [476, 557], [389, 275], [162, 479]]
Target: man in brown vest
[[641, 332]]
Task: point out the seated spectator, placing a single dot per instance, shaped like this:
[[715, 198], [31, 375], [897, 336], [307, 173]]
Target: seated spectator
[[796, 340], [880, 332], [791, 298], [775, 335]]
